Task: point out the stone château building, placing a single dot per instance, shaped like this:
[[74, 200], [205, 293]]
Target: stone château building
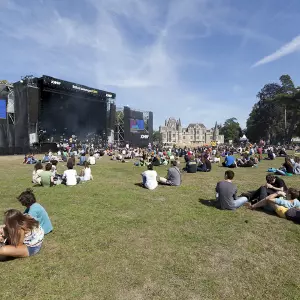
[[193, 134]]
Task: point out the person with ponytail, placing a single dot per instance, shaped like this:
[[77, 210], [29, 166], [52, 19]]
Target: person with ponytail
[[22, 236]]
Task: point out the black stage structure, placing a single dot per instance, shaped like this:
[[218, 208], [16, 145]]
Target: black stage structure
[[48, 110], [134, 127]]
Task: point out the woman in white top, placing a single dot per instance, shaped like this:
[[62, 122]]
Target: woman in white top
[[150, 178], [86, 172], [21, 235], [70, 177]]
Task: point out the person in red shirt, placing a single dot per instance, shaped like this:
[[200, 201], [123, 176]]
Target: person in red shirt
[[259, 152]]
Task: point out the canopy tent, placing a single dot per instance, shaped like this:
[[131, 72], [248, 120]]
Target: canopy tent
[[243, 138]]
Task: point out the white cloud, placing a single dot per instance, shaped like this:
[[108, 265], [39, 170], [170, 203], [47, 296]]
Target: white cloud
[[287, 49], [132, 47]]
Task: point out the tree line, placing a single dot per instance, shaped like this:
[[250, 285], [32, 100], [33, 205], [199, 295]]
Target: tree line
[[275, 117]]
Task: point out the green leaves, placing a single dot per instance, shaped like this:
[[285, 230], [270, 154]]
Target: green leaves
[[267, 119], [231, 130]]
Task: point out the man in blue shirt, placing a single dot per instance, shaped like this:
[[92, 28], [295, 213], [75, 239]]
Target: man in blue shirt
[[35, 210], [229, 161]]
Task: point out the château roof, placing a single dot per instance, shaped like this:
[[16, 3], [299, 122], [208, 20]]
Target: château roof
[[196, 124]]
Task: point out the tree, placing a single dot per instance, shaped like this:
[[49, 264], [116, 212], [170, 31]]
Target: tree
[[275, 116], [156, 136], [3, 81], [231, 130], [289, 100], [266, 119]]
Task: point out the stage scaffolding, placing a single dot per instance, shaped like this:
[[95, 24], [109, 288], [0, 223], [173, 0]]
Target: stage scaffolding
[[119, 127]]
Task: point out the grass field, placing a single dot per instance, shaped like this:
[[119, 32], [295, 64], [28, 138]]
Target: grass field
[[115, 240]]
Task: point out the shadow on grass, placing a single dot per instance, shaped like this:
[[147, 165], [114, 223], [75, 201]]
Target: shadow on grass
[[4, 259], [140, 184], [210, 203]]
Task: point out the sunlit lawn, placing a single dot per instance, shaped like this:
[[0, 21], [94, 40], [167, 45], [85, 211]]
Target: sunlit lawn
[[115, 240]]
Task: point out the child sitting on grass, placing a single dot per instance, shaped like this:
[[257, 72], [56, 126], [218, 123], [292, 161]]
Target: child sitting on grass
[[36, 174], [86, 172], [46, 176], [24, 235], [70, 177], [35, 210]]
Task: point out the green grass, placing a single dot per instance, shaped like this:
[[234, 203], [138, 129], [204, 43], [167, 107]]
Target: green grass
[[115, 240]]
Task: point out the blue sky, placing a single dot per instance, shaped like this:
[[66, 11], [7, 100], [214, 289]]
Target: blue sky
[[200, 60]]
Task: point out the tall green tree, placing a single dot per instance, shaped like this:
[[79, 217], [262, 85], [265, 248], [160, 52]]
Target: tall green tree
[[266, 120], [156, 136], [289, 100], [4, 81], [231, 130]]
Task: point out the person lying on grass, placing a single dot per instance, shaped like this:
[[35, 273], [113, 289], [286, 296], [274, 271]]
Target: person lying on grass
[[35, 210], [22, 236], [273, 184], [278, 199], [226, 197]]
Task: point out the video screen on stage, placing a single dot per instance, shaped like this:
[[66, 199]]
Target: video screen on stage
[[65, 116], [2, 109], [136, 125]]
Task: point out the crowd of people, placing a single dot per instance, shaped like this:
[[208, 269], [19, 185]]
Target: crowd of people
[[23, 233], [46, 175]]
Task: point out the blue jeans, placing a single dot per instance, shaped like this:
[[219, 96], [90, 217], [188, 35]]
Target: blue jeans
[[34, 250], [240, 202]]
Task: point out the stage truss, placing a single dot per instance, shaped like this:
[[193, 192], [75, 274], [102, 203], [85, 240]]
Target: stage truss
[[10, 104], [119, 126]]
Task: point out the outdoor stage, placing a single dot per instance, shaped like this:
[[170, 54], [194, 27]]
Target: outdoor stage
[[51, 110]]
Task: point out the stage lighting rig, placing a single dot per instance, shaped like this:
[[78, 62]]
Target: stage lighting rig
[[29, 80]]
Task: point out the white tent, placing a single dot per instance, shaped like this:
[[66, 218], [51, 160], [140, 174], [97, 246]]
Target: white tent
[[243, 138]]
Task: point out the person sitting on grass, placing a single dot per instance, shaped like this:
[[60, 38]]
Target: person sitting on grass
[[70, 177], [204, 164], [149, 178], [47, 179], [274, 184], [54, 168], [296, 166], [31, 160], [276, 200], [64, 156], [82, 159], [92, 159], [191, 165], [23, 234], [36, 174], [226, 197], [173, 177], [46, 158], [86, 172], [156, 161], [288, 166], [35, 210], [25, 159], [229, 161]]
